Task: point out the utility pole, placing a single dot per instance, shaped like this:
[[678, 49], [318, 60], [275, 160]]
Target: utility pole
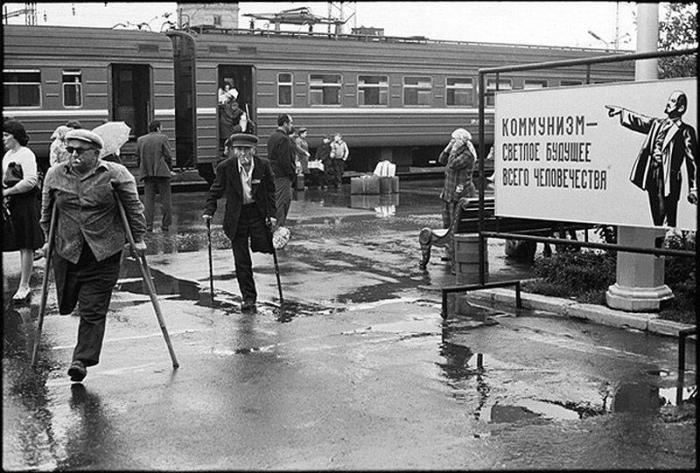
[[29, 12], [341, 8]]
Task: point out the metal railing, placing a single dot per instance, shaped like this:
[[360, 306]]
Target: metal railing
[[682, 335]]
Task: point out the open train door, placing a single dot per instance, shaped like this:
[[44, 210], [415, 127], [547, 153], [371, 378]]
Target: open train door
[[132, 97], [243, 80]]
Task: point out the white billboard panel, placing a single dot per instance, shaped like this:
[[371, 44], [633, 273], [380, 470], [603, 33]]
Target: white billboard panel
[[617, 154]]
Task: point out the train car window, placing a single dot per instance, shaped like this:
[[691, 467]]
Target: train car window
[[459, 91], [22, 88], [72, 88], [503, 84], [372, 90], [284, 88], [324, 89], [534, 84], [417, 90], [569, 83]]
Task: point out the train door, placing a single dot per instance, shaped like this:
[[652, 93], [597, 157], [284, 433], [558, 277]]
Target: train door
[[241, 78], [131, 96]]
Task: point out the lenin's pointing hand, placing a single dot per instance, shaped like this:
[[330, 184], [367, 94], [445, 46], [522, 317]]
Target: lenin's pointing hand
[[613, 110]]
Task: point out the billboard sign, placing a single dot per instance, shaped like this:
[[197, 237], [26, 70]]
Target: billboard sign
[[616, 154]]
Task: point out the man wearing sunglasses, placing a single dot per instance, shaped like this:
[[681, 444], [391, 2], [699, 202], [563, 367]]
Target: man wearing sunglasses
[[89, 237]]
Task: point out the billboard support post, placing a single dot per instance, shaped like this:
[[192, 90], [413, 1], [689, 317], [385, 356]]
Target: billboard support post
[[639, 283]]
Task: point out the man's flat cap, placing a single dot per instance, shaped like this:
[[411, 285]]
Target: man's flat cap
[[242, 139], [85, 135]]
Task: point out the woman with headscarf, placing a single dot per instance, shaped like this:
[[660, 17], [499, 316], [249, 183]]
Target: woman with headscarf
[[57, 151], [459, 158], [20, 190]]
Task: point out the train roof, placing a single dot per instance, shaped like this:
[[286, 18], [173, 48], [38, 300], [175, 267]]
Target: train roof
[[85, 42], [209, 33]]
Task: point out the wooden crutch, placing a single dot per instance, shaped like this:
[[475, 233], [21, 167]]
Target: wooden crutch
[[45, 284], [146, 274]]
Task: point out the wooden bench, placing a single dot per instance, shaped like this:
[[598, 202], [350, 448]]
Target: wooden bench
[[466, 220]]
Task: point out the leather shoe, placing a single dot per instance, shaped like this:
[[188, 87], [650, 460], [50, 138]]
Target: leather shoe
[[77, 371]]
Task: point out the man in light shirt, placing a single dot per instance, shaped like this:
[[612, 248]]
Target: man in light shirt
[[248, 185]]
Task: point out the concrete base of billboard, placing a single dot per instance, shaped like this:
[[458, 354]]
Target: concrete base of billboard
[[640, 278], [636, 299]]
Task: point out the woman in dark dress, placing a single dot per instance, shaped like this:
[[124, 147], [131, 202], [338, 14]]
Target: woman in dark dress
[[21, 194]]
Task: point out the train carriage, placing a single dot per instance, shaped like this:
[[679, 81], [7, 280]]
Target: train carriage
[[52, 74], [397, 98]]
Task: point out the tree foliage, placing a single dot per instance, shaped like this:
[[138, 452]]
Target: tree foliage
[[678, 30]]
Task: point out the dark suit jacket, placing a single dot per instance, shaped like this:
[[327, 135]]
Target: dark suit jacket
[[153, 155], [228, 184], [679, 145], [281, 153]]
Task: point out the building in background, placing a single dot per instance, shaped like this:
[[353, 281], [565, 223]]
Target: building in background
[[216, 15]]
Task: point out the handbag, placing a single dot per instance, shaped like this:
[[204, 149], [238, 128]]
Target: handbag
[[13, 174]]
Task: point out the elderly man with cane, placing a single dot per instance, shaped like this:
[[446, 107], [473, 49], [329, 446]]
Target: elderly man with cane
[[89, 237], [247, 183]]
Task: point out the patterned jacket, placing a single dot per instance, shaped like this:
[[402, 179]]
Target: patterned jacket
[[459, 159]]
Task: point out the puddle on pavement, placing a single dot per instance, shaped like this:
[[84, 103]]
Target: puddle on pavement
[[469, 379], [131, 281]]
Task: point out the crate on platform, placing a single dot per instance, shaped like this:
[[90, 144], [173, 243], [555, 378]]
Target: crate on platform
[[467, 258], [367, 184], [388, 185]]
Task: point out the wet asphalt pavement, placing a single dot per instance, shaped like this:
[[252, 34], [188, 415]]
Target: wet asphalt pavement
[[356, 371]]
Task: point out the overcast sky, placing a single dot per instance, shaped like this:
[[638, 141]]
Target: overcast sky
[[546, 23]]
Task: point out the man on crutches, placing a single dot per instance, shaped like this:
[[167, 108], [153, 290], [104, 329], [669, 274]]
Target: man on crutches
[[89, 237], [248, 185]]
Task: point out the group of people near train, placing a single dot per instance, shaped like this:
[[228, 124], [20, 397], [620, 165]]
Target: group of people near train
[[80, 196]]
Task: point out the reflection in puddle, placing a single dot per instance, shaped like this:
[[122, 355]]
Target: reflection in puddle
[[131, 281], [471, 383], [456, 366], [501, 414], [636, 397]]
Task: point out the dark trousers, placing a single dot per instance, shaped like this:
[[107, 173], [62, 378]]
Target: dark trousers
[[316, 178], [251, 227], [448, 213], [662, 207], [88, 284], [283, 198], [162, 186], [336, 171]]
